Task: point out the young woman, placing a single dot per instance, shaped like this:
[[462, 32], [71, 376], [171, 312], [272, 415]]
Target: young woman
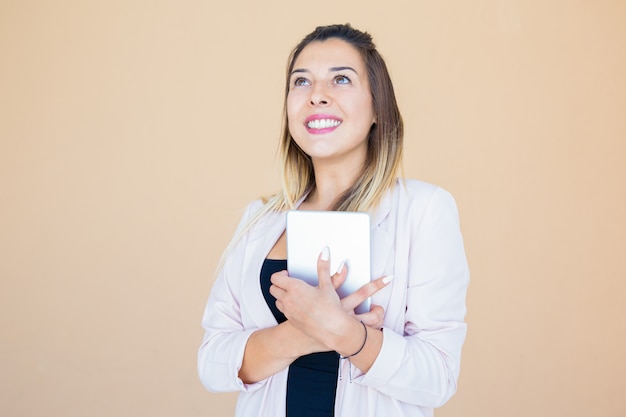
[[293, 349]]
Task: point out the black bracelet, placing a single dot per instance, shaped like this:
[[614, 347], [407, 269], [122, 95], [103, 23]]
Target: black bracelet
[[362, 346]]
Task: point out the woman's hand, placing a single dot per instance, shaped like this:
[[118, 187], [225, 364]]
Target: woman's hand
[[318, 311], [374, 318]]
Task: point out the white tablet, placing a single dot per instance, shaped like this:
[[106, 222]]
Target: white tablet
[[347, 234]]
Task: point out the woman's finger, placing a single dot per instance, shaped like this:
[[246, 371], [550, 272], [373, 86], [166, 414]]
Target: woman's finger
[[280, 279], [373, 318], [323, 268], [351, 301], [339, 277], [277, 292]]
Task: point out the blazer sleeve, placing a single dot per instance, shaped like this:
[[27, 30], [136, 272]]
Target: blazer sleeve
[[221, 352], [421, 366]]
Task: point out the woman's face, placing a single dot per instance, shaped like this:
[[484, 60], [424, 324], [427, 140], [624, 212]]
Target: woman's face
[[329, 104]]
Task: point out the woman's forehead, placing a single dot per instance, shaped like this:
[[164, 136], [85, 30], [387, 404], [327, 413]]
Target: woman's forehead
[[329, 53]]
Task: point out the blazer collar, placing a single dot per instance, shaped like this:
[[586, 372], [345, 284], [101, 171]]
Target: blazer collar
[[384, 207]]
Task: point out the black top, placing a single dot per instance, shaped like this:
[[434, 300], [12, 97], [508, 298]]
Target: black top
[[312, 379]]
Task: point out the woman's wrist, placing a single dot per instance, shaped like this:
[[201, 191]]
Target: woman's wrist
[[300, 343], [352, 340], [362, 344], [358, 347]]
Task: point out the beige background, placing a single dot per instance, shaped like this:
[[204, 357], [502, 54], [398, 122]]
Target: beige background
[[132, 133]]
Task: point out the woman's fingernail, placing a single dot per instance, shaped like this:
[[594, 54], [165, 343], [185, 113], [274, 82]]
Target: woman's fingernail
[[325, 254], [341, 265], [387, 279]]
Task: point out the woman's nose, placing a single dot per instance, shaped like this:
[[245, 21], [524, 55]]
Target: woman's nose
[[319, 101], [319, 97]]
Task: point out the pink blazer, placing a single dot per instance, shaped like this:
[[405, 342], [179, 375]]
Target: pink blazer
[[416, 237]]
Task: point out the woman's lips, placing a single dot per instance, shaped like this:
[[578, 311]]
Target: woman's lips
[[321, 123]]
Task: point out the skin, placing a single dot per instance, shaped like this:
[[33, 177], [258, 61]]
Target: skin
[[329, 78]]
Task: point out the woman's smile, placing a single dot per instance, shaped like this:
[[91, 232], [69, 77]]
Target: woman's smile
[[318, 124]]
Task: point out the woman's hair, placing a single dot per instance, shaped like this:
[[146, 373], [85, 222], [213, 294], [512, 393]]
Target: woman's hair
[[384, 150], [384, 144]]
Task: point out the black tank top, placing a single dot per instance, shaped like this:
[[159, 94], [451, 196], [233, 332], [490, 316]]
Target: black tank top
[[312, 379]]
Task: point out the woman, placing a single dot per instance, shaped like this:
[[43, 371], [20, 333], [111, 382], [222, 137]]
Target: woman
[[298, 350]]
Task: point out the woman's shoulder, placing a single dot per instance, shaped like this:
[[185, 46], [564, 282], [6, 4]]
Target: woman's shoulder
[[423, 192], [416, 188], [260, 210], [254, 206]]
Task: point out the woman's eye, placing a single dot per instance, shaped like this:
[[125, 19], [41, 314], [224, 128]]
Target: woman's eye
[[301, 81], [342, 79]]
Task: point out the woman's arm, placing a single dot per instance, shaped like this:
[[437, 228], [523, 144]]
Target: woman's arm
[[322, 316], [421, 365], [225, 337], [273, 349]]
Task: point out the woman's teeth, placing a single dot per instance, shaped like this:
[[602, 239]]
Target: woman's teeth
[[323, 123]]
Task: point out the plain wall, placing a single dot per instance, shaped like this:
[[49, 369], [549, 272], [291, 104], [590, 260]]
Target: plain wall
[[133, 133]]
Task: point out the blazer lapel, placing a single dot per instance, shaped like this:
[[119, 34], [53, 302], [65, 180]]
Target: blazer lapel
[[261, 239], [383, 245]]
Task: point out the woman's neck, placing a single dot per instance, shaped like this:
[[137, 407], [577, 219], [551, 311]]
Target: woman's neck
[[330, 185]]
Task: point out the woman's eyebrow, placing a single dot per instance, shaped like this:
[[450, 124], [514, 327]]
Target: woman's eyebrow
[[331, 69], [335, 69], [299, 70]]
